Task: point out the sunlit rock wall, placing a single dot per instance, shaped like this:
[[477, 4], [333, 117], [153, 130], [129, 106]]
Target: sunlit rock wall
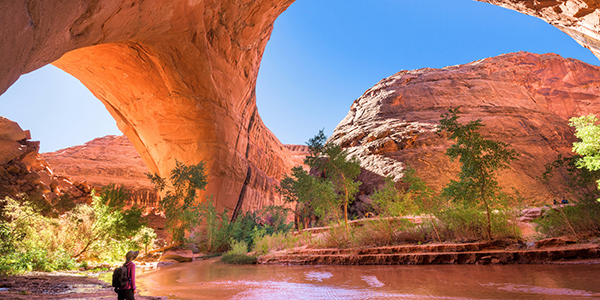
[[523, 99]]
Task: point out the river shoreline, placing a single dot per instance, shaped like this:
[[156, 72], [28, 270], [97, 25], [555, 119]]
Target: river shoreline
[[554, 251], [70, 285], [58, 285]]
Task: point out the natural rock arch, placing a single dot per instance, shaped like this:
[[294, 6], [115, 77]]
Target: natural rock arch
[[179, 77]]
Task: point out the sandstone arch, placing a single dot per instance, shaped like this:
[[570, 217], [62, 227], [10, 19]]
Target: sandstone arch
[[179, 76]]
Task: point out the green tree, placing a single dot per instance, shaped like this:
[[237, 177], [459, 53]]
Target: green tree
[[182, 209], [333, 161], [106, 218], [480, 160], [311, 195], [588, 132]]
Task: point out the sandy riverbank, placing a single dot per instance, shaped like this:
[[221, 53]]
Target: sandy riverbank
[[58, 285]]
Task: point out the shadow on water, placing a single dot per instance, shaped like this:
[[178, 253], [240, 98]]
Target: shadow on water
[[211, 279]]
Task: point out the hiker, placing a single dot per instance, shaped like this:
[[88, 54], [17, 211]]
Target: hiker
[[126, 292], [564, 201]]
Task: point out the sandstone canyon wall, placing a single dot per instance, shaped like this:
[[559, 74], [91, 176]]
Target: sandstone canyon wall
[[105, 160], [523, 99], [179, 76]]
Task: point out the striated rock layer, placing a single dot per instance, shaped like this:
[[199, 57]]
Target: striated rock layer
[[179, 76], [523, 99], [105, 160]]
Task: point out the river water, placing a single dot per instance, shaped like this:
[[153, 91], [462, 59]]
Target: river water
[[211, 279]]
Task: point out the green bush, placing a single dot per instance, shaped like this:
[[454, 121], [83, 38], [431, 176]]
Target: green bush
[[466, 224], [238, 254], [582, 221], [389, 201], [102, 231]]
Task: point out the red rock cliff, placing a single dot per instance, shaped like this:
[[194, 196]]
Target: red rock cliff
[[105, 160], [523, 99]]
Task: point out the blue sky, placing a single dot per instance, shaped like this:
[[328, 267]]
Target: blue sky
[[323, 54]]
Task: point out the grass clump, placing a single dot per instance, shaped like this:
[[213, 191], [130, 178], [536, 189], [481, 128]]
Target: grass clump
[[238, 254]]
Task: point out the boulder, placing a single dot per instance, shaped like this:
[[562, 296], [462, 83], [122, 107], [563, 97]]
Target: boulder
[[11, 131]]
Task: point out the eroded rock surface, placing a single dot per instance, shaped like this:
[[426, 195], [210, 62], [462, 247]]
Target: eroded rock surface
[[105, 160], [580, 19], [25, 175], [523, 99]]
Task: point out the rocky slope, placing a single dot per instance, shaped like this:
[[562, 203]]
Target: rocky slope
[[523, 99], [179, 76], [105, 160], [25, 175]]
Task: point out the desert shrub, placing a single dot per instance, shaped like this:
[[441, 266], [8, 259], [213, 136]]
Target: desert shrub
[[581, 221], [146, 237], [465, 224], [238, 254], [102, 231], [240, 259], [217, 231], [242, 227], [29, 241], [275, 219], [384, 232], [390, 201]]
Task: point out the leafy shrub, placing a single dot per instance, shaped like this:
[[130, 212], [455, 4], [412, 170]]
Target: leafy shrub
[[102, 231], [238, 254], [389, 201], [465, 224], [581, 221]]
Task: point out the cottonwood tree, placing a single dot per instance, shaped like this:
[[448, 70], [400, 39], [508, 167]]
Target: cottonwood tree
[[480, 160], [335, 164], [182, 209], [588, 131], [313, 196]]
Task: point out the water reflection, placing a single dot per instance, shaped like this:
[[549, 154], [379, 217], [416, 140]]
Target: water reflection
[[211, 279]]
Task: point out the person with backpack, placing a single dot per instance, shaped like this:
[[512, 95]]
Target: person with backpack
[[124, 277]]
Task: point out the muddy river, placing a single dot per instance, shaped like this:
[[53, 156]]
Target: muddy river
[[211, 279]]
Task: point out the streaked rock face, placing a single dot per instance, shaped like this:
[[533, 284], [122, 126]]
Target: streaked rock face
[[105, 160], [179, 76], [523, 99], [578, 18]]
